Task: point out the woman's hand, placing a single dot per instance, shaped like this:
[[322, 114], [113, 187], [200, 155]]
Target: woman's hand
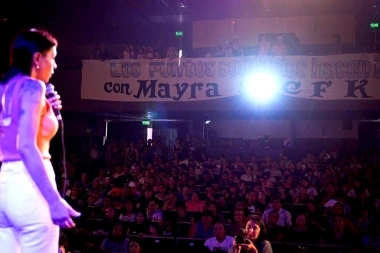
[[249, 246], [55, 101], [61, 213]]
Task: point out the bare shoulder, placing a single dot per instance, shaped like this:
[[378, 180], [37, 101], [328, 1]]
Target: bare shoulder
[[32, 88]]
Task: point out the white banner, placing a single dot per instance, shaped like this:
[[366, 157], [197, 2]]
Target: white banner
[[334, 77]]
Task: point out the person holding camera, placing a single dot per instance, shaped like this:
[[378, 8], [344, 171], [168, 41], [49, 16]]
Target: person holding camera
[[252, 239]]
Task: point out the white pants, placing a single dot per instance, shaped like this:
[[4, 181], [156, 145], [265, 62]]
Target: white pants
[[25, 221]]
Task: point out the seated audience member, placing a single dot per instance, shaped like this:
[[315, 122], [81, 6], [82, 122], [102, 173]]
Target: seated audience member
[[255, 239], [252, 203], [128, 53], [259, 193], [227, 49], [101, 178], [135, 246], [339, 234], [219, 51], [218, 216], [182, 215], [126, 194], [338, 196], [147, 198], [338, 209], [152, 213], [100, 53], [128, 213], [297, 48], [210, 193], [310, 189], [96, 185], [116, 242], [238, 222], [224, 181], [359, 196], [109, 221], [185, 194], [141, 53], [107, 202], [84, 184], [171, 204], [145, 178], [233, 192], [300, 232], [283, 195], [194, 204], [161, 194], [236, 49], [203, 229], [285, 218], [171, 53], [140, 226], [264, 45], [223, 205], [169, 227], [363, 222], [94, 200], [314, 215], [248, 176], [267, 184], [172, 185], [221, 242], [74, 198], [153, 229], [107, 185], [302, 197], [275, 232]]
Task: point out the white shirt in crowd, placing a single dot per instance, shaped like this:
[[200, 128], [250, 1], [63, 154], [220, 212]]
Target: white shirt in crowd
[[247, 178], [212, 244]]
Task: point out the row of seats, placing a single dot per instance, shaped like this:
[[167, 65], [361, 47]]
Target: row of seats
[[192, 245], [316, 248]]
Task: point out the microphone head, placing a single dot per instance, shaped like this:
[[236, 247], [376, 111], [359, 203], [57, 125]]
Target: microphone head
[[49, 90]]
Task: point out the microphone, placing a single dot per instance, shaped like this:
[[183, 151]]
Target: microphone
[[49, 94]]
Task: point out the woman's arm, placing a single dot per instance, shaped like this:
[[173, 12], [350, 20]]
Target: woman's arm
[[266, 247], [32, 96], [32, 102]]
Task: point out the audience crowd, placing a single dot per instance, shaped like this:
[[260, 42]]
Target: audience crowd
[[128, 191], [268, 45]]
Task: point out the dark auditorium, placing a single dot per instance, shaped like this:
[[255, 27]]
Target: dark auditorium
[[188, 126]]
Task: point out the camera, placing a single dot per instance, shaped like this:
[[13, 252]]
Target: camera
[[240, 238]]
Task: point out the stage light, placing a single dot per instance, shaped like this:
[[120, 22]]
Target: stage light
[[261, 86], [207, 122]]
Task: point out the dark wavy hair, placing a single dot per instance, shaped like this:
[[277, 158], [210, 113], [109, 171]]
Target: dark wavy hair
[[263, 230], [24, 46]]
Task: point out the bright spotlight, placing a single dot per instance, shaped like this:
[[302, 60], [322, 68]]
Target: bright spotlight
[[261, 86], [207, 122]]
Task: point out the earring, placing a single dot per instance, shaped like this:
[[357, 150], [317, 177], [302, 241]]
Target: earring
[[37, 66]]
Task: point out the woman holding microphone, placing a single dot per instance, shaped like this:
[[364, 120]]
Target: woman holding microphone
[[31, 208]]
